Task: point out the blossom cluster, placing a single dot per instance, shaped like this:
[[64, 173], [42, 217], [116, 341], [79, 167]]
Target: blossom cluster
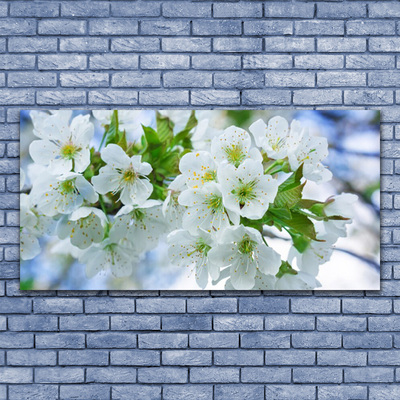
[[217, 194]]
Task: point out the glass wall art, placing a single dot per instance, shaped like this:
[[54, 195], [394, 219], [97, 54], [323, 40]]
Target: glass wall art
[[200, 200]]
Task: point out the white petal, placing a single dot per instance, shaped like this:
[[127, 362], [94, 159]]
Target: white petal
[[30, 247], [115, 156]]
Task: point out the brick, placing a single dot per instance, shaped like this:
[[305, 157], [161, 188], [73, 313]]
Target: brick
[[135, 357], [238, 357], [135, 44], [187, 323], [96, 391], [154, 98], [31, 357], [262, 375], [317, 27], [17, 61], [61, 61], [381, 45], [289, 323], [341, 45], [344, 11], [101, 306], [32, 79], [365, 27], [367, 340], [237, 45], [212, 305], [59, 375], [187, 79], [384, 357], [114, 27], [270, 27], [220, 97], [289, 44], [322, 340], [179, 392], [57, 306], [110, 375], [84, 323], [260, 340], [372, 61], [216, 27], [37, 392], [289, 392], [83, 357], [342, 392], [326, 306], [214, 339], [193, 45], [111, 340], [136, 79], [384, 10], [16, 340], [215, 62], [163, 340], [386, 323], [18, 306], [366, 306], [235, 392], [162, 375], [87, 45], [342, 358], [289, 79], [242, 323], [85, 9], [341, 323], [135, 322], [16, 375], [289, 357], [240, 10], [263, 305], [113, 61], [314, 375], [273, 97], [179, 9], [342, 78], [368, 374], [136, 392], [214, 375], [83, 79], [288, 10], [384, 78], [32, 322], [61, 27], [36, 9], [165, 28], [186, 357], [64, 97], [319, 61], [110, 96], [19, 26], [32, 44], [368, 97], [164, 61]]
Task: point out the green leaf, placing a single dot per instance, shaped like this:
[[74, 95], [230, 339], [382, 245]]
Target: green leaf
[[165, 128], [293, 180], [285, 268], [113, 129], [151, 135], [300, 242], [307, 204], [281, 212], [192, 122], [289, 197], [301, 224]]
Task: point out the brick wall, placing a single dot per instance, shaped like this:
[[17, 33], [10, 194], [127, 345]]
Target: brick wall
[[196, 345]]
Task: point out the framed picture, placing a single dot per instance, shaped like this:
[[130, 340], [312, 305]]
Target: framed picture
[[200, 199]]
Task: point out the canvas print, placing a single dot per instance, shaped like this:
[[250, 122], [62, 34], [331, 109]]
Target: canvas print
[[200, 199]]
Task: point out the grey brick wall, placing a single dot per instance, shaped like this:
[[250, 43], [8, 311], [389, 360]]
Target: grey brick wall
[[196, 345]]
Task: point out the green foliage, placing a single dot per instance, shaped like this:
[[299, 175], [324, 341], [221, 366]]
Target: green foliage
[[285, 268]]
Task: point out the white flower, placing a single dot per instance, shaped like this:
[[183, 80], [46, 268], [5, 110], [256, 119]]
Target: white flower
[[128, 120], [203, 134], [84, 226], [311, 151], [317, 253], [33, 225], [342, 205], [233, 146], [63, 147], [246, 190], [143, 226], [39, 120], [276, 138], [171, 209], [124, 175], [191, 251], [243, 251], [206, 210], [119, 257], [62, 195], [299, 281], [198, 168], [21, 179]]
